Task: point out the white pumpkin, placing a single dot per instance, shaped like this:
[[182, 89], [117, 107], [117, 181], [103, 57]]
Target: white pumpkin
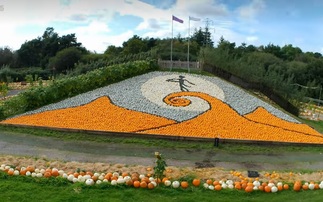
[[28, 173], [154, 183], [127, 178], [39, 175], [205, 185], [70, 177], [37, 170], [120, 180], [228, 182], [211, 187], [61, 172], [114, 182], [64, 175], [151, 179], [224, 185], [96, 174], [115, 174], [101, 177], [141, 176], [33, 174], [80, 178], [16, 172], [230, 186], [255, 188], [89, 182], [321, 185], [311, 186], [105, 180], [256, 183], [274, 189], [270, 184], [86, 177], [98, 182], [175, 184], [279, 184], [167, 183], [75, 180], [42, 171]]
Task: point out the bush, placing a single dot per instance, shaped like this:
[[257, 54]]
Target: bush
[[65, 59], [38, 96]]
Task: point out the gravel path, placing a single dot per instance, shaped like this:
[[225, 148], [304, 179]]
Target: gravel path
[[130, 154]]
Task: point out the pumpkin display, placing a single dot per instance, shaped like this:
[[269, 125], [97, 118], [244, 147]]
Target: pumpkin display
[[175, 184]]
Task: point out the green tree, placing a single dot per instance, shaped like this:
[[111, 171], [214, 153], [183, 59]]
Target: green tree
[[134, 45], [273, 49], [289, 52], [202, 37], [37, 52], [113, 50], [65, 59], [6, 56]]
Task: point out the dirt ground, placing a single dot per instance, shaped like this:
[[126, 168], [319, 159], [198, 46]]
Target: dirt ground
[[41, 152]]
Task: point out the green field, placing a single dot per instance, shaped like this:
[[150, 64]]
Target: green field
[[19, 188]]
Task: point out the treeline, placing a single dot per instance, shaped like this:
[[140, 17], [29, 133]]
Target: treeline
[[287, 70], [55, 54]]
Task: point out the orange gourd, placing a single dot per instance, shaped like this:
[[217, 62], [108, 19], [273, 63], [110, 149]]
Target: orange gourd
[[136, 184], [196, 182], [184, 184]]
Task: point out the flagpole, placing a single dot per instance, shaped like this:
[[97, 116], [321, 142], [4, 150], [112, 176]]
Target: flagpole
[[188, 46], [171, 49]]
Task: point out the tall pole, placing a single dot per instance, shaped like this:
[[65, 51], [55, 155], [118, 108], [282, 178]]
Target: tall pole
[[188, 46], [171, 49]]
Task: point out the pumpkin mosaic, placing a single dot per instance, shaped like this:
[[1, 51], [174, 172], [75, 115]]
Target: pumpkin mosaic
[[211, 116]]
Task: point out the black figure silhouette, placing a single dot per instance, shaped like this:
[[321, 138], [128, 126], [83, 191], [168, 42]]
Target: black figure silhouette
[[181, 82]]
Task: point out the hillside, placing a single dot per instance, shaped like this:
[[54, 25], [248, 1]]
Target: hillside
[[173, 104]]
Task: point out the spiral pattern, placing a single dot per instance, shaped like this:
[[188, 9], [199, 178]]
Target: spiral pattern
[[177, 101]]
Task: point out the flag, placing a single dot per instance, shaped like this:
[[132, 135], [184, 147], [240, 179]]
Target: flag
[[194, 19], [177, 19]]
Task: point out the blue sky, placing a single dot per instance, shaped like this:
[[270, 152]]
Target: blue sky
[[100, 23]]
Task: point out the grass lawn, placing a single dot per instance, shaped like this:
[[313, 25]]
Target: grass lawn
[[20, 188]]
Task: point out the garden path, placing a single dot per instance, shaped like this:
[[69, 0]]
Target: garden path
[[130, 154]]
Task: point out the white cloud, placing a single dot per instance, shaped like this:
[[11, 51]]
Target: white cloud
[[252, 10], [252, 38]]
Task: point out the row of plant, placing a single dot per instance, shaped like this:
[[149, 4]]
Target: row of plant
[[68, 87], [148, 181]]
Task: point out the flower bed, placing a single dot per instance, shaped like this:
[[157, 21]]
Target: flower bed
[[153, 104], [147, 181]]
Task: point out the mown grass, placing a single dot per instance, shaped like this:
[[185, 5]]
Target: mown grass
[[21, 188], [164, 143], [317, 125]]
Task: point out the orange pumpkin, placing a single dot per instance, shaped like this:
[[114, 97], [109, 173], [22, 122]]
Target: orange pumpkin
[[143, 184], [218, 187], [249, 188], [196, 182], [136, 184], [286, 186], [267, 189], [184, 184], [150, 185], [47, 174], [297, 187]]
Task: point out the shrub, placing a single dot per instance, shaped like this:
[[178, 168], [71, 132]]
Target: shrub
[[38, 96]]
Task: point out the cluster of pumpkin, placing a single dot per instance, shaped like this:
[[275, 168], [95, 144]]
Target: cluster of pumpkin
[[103, 115], [147, 181]]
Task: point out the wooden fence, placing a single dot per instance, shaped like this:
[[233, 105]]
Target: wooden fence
[[179, 64]]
